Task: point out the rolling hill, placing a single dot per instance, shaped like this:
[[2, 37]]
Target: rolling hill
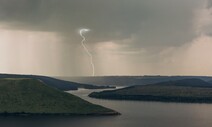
[[21, 96], [210, 81], [185, 90], [56, 83]]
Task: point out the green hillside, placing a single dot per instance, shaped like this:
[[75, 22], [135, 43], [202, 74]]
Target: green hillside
[[31, 96], [186, 90]]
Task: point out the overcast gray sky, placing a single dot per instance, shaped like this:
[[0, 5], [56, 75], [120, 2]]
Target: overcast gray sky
[[127, 37]]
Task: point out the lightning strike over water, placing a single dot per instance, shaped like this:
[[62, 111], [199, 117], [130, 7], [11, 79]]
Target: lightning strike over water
[[81, 31]]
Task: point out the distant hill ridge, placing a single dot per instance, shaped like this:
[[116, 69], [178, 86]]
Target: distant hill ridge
[[130, 80], [56, 83], [191, 82], [185, 90]]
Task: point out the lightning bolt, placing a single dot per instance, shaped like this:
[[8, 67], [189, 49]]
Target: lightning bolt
[[81, 31]]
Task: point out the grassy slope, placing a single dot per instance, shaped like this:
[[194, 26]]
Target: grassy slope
[[33, 96], [174, 91], [56, 83]]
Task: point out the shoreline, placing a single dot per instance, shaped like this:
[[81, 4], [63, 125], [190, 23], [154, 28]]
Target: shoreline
[[151, 98], [114, 113]]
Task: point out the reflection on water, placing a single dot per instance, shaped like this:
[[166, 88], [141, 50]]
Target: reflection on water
[[134, 114]]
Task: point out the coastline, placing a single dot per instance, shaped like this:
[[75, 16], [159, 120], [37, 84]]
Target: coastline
[[151, 98], [113, 113]]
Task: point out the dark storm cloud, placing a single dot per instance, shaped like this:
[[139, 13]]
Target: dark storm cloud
[[126, 37], [112, 19], [207, 29], [152, 22], [23, 11], [209, 3]]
